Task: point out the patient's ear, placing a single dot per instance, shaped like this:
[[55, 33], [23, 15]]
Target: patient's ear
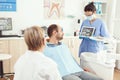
[[54, 32], [47, 39]]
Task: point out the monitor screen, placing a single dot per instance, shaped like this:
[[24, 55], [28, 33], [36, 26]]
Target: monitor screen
[[5, 24]]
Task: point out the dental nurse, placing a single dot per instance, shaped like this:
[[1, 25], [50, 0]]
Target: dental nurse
[[87, 44]]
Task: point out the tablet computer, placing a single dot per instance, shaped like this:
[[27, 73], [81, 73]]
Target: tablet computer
[[86, 31]]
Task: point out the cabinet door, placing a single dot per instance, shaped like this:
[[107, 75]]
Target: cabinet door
[[5, 50], [73, 45], [76, 44], [17, 48], [4, 46]]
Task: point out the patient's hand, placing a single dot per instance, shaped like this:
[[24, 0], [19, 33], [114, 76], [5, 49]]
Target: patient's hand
[[88, 70]]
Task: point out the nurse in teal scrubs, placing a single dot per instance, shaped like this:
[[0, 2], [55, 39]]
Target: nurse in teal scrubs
[[87, 44]]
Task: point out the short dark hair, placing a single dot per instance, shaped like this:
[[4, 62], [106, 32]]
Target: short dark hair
[[90, 7], [51, 28]]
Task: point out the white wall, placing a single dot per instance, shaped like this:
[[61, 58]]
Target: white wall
[[111, 15], [116, 21], [30, 12], [114, 18]]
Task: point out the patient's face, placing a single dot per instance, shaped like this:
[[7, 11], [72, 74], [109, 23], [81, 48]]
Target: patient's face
[[60, 33]]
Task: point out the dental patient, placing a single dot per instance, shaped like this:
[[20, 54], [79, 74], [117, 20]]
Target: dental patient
[[59, 52]]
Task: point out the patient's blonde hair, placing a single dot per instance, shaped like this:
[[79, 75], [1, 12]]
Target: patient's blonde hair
[[34, 38]]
